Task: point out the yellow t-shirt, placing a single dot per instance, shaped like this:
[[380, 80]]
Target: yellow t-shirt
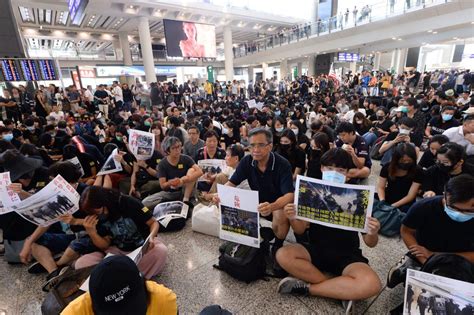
[[162, 302]]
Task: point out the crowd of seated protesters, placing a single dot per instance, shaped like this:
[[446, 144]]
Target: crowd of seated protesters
[[425, 139]]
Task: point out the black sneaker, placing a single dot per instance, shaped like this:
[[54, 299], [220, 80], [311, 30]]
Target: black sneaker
[[190, 210], [36, 267], [397, 274], [52, 278], [294, 286]]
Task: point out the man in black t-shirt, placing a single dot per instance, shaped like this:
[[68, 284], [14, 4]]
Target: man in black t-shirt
[[441, 224], [329, 250], [177, 174], [143, 181]]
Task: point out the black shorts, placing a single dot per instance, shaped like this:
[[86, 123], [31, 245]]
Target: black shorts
[[334, 262]]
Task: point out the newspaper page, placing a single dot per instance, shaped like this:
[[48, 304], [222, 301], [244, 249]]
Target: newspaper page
[[7, 196], [111, 165], [426, 293], [254, 104], [166, 211], [141, 144], [210, 167], [77, 164], [239, 216], [54, 200], [341, 206]]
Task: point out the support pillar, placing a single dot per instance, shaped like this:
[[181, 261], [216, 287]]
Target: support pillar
[[284, 69], [250, 74], [228, 54], [299, 66], [147, 52], [125, 46], [353, 67], [377, 58], [312, 65], [264, 71], [401, 60], [117, 50], [393, 60]]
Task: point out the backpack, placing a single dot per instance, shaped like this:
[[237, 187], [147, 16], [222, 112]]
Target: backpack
[[451, 266], [65, 290], [375, 151], [243, 262], [390, 218]]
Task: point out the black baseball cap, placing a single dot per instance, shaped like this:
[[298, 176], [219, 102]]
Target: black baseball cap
[[117, 287]]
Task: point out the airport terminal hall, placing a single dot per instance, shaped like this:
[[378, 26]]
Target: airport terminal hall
[[219, 157]]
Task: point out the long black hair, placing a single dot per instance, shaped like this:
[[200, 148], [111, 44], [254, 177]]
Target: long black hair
[[95, 197], [400, 151]]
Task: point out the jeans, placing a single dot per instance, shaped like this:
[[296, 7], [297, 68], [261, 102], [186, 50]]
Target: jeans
[[370, 138]]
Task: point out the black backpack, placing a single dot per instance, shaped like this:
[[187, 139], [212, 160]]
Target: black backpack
[[451, 266], [243, 262]]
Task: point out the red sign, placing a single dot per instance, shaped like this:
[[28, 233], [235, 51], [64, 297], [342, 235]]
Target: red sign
[[75, 79], [88, 73]]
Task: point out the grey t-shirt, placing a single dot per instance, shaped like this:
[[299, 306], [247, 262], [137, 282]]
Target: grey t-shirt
[[192, 149], [165, 169]]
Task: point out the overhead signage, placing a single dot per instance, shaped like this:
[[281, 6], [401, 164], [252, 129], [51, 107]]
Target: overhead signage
[[47, 69], [87, 72], [114, 71], [350, 57], [10, 70], [76, 10], [30, 70]]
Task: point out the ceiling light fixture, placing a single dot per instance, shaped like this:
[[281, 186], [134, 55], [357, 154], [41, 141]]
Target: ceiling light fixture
[[435, 32]]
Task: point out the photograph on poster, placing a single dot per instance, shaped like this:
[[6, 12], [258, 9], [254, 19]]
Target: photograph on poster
[[341, 206], [210, 168], [429, 294], [111, 165], [141, 144], [7, 196], [239, 221]]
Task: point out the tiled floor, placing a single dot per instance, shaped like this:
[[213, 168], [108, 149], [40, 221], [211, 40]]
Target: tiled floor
[[190, 274]]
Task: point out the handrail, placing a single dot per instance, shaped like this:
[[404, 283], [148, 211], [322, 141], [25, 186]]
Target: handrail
[[350, 18]]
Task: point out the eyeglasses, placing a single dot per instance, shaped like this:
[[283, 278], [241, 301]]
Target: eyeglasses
[[176, 147], [467, 211], [258, 145]]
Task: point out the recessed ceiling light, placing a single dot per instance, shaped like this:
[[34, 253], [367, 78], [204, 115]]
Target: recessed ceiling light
[[435, 32], [399, 39], [430, 31], [394, 38], [130, 7]]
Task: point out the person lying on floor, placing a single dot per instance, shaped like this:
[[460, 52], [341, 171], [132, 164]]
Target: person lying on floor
[[329, 250]]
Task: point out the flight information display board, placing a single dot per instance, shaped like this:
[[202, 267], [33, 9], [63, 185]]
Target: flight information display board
[[351, 57], [47, 69], [30, 70], [10, 70]]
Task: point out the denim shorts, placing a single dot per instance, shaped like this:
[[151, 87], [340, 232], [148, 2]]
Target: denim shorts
[[56, 242], [83, 245]]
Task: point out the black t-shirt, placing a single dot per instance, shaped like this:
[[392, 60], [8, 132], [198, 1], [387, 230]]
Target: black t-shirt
[[436, 231], [435, 180], [438, 126], [129, 230], [101, 94], [297, 158], [384, 125], [40, 179], [314, 165], [399, 187], [230, 140], [333, 241], [272, 184], [142, 174], [427, 159], [220, 154], [168, 171], [361, 149]]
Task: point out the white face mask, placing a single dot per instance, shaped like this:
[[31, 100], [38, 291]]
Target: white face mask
[[279, 129], [295, 131], [225, 131], [334, 177]]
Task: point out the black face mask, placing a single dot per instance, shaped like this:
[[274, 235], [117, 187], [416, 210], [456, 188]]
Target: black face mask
[[285, 147], [444, 168], [380, 118], [405, 166]]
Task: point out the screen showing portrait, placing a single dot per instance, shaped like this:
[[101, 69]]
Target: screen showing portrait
[[190, 40]]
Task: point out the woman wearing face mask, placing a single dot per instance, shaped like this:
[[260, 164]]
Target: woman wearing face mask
[[449, 163], [361, 123], [289, 149], [381, 127], [401, 179], [277, 128], [301, 139], [320, 144], [439, 124], [428, 158], [230, 134], [299, 115]]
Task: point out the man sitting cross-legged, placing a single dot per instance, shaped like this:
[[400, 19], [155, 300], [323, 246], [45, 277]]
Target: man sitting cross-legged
[[329, 250]]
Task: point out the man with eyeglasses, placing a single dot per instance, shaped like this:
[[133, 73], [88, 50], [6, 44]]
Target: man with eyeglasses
[[270, 174], [441, 224]]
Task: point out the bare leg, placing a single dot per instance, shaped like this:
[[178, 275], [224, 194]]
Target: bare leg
[[107, 182], [68, 257], [296, 260], [44, 256], [99, 180], [280, 224]]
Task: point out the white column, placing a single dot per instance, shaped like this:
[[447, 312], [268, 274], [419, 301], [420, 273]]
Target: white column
[[250, 74], [284, 69], [312, 65], [264, 71], [125, 45], [353, 67], [117, 50], [147, 52], [299, 65], [422, 60], [393, 62], [228, 54], [401, 60], [377, 58]]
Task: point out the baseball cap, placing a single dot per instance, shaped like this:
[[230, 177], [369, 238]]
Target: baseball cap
[[116, 287]]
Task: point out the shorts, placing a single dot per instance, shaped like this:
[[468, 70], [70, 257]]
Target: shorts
[[83, 245], [56, 242], [334, 262]]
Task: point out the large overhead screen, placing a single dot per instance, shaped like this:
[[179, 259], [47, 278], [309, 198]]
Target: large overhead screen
[[190, 40], [76, 10], [28, 70]]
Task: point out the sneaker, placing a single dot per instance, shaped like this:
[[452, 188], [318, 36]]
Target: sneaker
[[36, 267], [190, 209], [53, 277], [294, 286], [348, 306], [397, 274]]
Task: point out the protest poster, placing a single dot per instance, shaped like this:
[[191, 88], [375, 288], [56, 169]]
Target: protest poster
[[7, 196], [111, 165], [141, 144], [254, 104], [210, 167], [77, 164], [239, 216], [426, 293], [341, 206], [54, 200], [166, 211], [135, 255]]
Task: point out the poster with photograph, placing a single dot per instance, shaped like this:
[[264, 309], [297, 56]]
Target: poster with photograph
[[239, 216], [7, 197], [141, 144], [54, 200], [210, 168], [253, 103], [136, 256], [111, 165], [166, 211], [77, 164], [341, 206], [426, 293]]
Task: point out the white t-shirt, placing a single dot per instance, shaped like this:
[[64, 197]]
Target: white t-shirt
[[89, 96], [57, 116], [349, 116], [117, 92]]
